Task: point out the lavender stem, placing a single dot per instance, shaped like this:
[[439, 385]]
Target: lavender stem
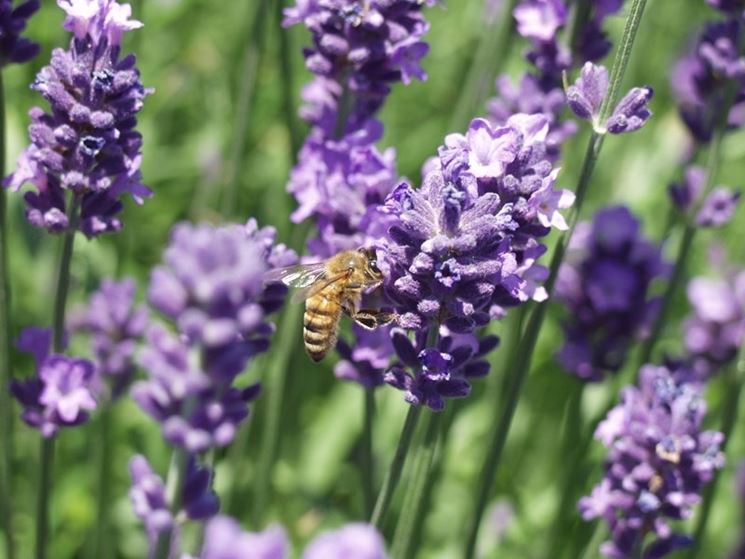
[[399, 458], [366, 454], [422, 460], [689, 233], [520, 366], [174, 496], [6, 410], [493, 50], [58, 342], [393, 475], [242, 115], [288, 88], [275, 381], [101, 546]]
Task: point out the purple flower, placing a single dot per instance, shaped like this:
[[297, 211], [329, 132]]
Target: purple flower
[[715, 330], [224, 539], [657, 465], [530, 97], [733, 7], [464, 247], [700, 79], [60, 393], [428, 376], [353, 541], [364, 46], [604, 283], [13, 47], [716, 210], [150, 504], [365, 361], [540, 20], [336, 181], [116, 327], [87, 144], [718, 207], [588, 93], [212, 287]]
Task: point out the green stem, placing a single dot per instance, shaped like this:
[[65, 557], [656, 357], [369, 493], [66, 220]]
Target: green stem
[[570, 450], [242, 117], [403, 540], [288, 89], [520, 366], [6, 409], [287, 337], [46, 465], [393, 475], [493, 50], [577, 24], [733, 382], [366, 456], [174, 495], [58, 342], [101, 547], [63, 277], [686, 242]]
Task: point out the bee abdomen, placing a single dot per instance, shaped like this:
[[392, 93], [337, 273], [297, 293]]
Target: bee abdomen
[[320, 322]]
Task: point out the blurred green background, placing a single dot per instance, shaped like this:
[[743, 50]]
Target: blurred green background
[[214, 153]]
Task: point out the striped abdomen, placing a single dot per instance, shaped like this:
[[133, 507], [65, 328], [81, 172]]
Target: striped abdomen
[[320, 322]]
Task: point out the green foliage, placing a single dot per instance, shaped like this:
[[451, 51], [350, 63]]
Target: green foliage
[[193, 52]]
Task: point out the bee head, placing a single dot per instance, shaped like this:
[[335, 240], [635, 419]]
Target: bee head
[[371, 267]]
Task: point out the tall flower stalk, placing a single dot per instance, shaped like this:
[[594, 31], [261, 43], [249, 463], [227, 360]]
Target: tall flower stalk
[[14, 49], [84, 155], [520, 365]]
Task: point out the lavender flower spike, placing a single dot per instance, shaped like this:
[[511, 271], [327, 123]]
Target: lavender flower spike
[[116, 327], [716, 210], [353, 541], [87, 144], [60, 395], [149, 502], [212, 287], [13, 47], [464, 247], [658, 463], [604, 283], [588, 93], [224, 539]]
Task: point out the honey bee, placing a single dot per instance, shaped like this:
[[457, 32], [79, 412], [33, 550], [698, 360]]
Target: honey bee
[[330, 288]]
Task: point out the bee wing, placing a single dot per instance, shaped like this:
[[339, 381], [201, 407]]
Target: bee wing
[[300, 275], [308, 279]]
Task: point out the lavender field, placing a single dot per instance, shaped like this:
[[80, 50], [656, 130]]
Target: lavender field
[[372, 279]]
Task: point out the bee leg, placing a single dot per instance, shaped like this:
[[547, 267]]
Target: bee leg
[[371, 318]]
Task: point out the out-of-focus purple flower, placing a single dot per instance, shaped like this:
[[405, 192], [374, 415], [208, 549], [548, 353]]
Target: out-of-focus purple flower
[[715, 330], [604, 283], [365, 47], [13, 47], [116, 326], [224, 539], [540, 20], [657, 465], [365, 362], [150, 504], [353, 541], [87, 144], [717, 208], [733, 7], [588, 93], [336, 181], [212, 287], [60, 393], [700, 79]]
